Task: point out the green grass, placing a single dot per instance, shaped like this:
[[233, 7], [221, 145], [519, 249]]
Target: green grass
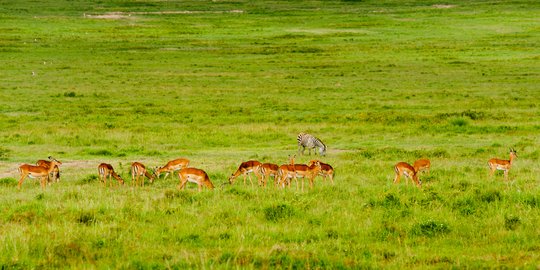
[[221, 82]]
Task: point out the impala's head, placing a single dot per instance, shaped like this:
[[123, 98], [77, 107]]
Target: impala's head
[[157, 172], [417, 180], [291, 159], [317, 165], [231, 179], [311, 162], [513, 152], [55, 160]]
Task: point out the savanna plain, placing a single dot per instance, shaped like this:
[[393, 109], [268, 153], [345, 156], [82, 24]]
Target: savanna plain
[[221, 82]]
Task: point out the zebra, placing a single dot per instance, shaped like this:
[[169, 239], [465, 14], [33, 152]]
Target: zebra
[[311, 142]]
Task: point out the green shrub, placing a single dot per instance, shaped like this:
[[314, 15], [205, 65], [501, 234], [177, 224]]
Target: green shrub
[[430, 228], [511, 222], [8, 181], [278, 212], [89, 179], [459, 122]]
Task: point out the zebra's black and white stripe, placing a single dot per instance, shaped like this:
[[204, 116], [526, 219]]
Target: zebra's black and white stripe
[[311, 142]]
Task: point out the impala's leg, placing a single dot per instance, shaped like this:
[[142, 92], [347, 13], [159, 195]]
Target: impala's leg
[[283, 181], [397, 178], [407, 177], [332, 178], [492, 169], [184, 182], [110, 180], [250, 181], [57, 174], [506, 175], [23, 176], [43, 181]]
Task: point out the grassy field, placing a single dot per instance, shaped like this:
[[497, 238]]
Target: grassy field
[[221, 82]]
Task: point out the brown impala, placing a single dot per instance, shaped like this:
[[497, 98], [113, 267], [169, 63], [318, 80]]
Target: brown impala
[[106, 170], [327, 171], [501, 164], [47, 163], [266, 170], [138, 170], [196, 176], [251, 166], [171, 167], [41, 172], [403, 168], [421, 165]]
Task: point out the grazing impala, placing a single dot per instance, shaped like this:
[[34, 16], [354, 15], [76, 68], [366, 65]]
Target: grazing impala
[[403, 168], [422, 165], [502, 165], [196, 176], [171, 167], [47, 163], [138, 170], [266, 170], [326, 170], [106, 170], [251, 166], [41, 172]]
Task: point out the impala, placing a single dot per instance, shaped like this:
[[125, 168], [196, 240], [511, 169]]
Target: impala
[[422, 165], [502, 165], [138, 170], [171, 167], [196, 176], [326, 170], [266, 170], [47, 164], [284, 174], [251, 166], [304, 171], [403, 168], [106, 170], [27, 170]]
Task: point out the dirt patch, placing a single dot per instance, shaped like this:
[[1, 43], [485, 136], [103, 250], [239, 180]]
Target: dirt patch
[[128, 15], [108, 16], [444, 6]]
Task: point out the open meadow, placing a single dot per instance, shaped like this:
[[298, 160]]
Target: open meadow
[[221, 82]]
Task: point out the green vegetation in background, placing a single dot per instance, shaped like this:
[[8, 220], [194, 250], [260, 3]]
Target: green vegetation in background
[[220, 82]]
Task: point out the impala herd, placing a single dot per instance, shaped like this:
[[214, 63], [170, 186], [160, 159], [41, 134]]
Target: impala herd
[[48, 171]]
